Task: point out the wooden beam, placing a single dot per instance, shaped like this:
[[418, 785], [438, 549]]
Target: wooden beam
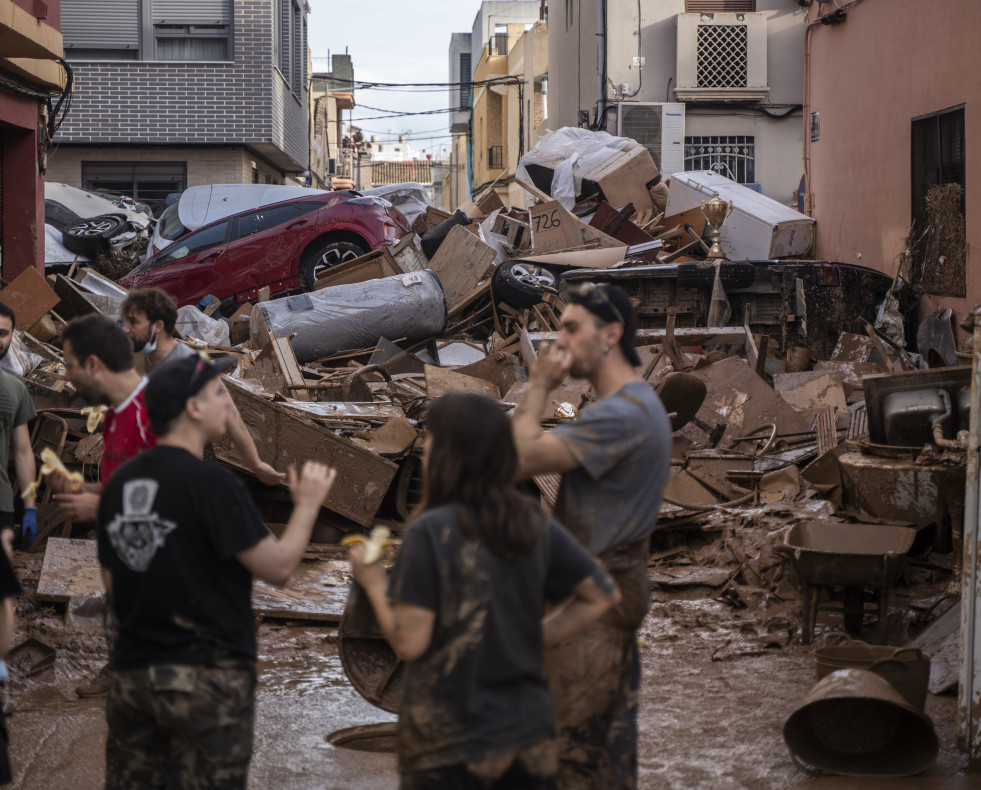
[[685, 336]]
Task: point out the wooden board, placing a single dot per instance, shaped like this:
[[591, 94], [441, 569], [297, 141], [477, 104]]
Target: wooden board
[[500, 369], [70, 568], [686, 336], [439, 381], [460, 263], [318, 590], [373, 266], [284, 437], [30, 297]]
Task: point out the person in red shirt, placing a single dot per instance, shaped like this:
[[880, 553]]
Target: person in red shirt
[[99, 363]]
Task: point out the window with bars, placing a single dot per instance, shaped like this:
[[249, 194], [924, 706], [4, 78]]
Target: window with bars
[[495, 157], [730, 156], [722, 57]]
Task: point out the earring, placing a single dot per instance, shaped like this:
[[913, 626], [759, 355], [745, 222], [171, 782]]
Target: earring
[[606, 350]]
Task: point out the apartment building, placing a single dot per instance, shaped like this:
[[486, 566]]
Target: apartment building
[[176, 93], [703, 84]]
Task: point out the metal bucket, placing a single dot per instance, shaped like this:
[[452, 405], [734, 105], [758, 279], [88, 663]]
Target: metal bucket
[[906, 668], [853, 722]]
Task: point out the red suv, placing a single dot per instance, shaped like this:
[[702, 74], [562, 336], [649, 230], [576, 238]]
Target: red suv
[[283, 245]]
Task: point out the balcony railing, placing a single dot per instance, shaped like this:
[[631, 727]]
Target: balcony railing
[[498, 44]]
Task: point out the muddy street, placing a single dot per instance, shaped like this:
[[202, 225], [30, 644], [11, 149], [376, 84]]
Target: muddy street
[[718, 684]]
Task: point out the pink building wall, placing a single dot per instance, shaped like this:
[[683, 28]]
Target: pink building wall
[[868, 77]]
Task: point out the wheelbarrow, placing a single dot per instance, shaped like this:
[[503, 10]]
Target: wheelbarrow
[[853, 556]]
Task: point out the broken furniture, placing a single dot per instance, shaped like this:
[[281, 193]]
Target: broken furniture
[[852, 556]]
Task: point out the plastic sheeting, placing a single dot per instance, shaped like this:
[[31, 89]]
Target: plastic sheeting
[[19, 359], [411, 198], [350, 317], [191, 322], [571, 152]]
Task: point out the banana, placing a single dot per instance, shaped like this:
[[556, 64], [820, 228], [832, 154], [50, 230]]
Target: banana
[[374, 545], [95, 415]]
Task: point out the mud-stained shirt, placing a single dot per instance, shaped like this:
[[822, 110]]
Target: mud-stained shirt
[[623, 444], [480, 689]]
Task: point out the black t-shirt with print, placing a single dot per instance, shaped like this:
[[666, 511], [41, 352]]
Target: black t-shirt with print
[[170, 526], [480, 689]]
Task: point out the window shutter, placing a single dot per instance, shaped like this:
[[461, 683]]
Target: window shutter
[[100, 24], [719, 6], [192, 12]]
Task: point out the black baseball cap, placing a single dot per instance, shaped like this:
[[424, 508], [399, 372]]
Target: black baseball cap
[[173, 383], [612, 305]]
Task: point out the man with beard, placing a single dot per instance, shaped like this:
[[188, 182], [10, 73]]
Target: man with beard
[[149, 317], [16, 410], [99, 362], [614, 460]]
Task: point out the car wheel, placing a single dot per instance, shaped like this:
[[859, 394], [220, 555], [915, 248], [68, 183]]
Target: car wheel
[[326, 256], [523, 284], [88, 236]]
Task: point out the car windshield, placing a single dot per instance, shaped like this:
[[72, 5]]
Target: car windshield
[[193, 243], [170, 226]]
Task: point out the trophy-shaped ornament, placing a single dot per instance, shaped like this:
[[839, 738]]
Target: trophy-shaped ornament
[[716, 213]]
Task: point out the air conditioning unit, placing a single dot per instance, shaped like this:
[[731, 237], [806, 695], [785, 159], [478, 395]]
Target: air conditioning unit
[[659, 127], [721, 57]]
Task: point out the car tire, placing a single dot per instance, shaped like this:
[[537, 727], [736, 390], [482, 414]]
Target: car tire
[[522, 284], [59, 216], [325, 256], [702, 275], [91, 236]]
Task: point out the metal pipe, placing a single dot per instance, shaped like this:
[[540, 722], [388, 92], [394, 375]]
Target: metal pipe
[[601, 63], [960, 443], [968, 713]]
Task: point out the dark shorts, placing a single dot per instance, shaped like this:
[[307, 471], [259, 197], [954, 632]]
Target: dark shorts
[[596, 680], [532, 768], [180, 726]]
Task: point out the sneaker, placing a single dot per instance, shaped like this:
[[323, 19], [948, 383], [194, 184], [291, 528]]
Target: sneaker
[[98, 686]]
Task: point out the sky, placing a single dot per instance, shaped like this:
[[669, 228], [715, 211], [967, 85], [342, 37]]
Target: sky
[[394, 41]]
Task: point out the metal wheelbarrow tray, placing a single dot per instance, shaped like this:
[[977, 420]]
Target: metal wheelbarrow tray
[[853, 556]]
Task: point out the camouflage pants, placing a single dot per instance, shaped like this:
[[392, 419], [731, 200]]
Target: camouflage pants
[[595, 679], [176, 726], [532, 768]]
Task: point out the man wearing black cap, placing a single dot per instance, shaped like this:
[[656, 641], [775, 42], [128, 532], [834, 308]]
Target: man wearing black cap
[[179, 543], [614, 459]]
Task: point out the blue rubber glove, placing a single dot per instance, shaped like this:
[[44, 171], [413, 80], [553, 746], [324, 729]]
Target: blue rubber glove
[[28, 524]]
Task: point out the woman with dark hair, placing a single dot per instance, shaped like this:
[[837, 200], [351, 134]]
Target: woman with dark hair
[[465, 608]]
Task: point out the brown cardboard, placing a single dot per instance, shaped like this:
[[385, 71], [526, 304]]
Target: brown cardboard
[[553, 228], [30, 297], [624, 178], [490, 203], [439, 381]]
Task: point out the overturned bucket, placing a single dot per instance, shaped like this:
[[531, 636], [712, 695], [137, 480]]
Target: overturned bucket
[[853, 722]]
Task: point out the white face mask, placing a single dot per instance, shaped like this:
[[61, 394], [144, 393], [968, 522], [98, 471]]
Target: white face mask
[[151, 344]]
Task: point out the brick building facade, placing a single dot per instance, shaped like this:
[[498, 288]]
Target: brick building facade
[[185, 92]]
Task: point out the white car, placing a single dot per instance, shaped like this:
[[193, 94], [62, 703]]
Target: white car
[[87, 225]]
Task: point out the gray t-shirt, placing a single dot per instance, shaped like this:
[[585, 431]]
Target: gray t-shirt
[[623, 443], [179, 351], [16, 409]]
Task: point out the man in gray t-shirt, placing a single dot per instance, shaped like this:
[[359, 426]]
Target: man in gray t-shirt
[[615, 459]]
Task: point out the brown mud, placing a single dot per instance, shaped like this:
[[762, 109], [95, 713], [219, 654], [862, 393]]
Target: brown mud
[[718, 684]]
